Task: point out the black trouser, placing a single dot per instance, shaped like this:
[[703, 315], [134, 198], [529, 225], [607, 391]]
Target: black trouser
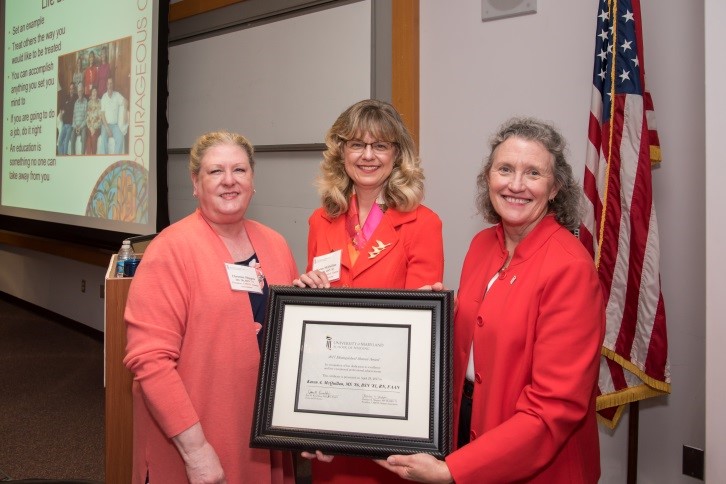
[[465, 414]]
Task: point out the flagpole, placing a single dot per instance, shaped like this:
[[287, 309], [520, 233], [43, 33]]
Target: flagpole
[[633, 417]]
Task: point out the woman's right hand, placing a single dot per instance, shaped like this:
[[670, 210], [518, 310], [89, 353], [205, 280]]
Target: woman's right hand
[[317, 455], [316, 279], [200, 459], [203, 467]]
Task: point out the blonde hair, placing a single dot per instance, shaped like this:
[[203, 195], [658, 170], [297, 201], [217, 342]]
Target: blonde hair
[[404, 188], [215, 138]]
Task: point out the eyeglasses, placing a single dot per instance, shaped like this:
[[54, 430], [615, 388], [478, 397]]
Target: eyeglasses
[[358, 146]]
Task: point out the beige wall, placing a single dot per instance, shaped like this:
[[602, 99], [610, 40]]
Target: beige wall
[[715, 242], [476, 74]]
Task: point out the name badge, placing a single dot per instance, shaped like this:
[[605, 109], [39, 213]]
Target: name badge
[[329, 264], [243, 278]]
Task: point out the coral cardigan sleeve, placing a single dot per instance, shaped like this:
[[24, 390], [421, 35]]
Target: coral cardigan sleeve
[[156, 315], [569, 330]]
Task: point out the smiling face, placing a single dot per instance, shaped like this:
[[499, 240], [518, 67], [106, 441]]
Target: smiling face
[[369, 169], [224, 184], [521, 182]]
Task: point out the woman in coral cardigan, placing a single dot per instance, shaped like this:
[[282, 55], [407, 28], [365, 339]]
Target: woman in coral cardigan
[[374, 226], [528, 328], [192, 329]]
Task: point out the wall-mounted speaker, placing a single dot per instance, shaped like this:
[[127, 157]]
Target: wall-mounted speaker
[[497, 9]]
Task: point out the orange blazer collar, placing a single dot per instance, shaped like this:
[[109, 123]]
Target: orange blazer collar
[[385, 233], [338, 238]]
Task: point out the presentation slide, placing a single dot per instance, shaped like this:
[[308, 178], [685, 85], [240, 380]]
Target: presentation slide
[[79, 113]]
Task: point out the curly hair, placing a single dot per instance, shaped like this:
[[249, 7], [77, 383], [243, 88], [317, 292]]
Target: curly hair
[[215, 138], [567, 203], [404, 188]]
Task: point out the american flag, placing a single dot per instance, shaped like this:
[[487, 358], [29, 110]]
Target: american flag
[[619, 227]]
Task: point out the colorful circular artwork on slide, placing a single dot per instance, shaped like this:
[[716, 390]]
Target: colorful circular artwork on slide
[[121, 193]]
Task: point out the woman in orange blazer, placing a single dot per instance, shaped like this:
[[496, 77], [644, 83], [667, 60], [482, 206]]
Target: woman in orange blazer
[[371, 186], [528, 328]]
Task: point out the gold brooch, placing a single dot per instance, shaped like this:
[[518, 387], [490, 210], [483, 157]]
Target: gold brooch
[[377, 249]]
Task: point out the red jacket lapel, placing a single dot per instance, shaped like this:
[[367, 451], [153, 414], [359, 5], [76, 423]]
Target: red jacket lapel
[[383, 240], [338, 238]]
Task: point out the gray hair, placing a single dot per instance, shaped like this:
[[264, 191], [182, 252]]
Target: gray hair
[[566, 205]]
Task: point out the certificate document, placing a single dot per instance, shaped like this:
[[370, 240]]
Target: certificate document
[[361, 372], [354, 369]]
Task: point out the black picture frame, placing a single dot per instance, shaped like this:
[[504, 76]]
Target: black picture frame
[[352, 338]]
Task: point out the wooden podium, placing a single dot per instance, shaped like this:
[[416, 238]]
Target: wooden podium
[[119, 414]]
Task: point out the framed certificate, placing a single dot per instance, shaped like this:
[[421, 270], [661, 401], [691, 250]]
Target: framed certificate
[[356, 372]]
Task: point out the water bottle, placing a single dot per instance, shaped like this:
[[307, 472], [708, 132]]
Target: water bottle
[[124, 253]]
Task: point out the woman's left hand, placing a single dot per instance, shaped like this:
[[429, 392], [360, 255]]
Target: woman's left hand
[[436, 286], [418, 467]]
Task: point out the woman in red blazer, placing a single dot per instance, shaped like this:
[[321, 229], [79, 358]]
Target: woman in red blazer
[[528, 327], [371, 228]]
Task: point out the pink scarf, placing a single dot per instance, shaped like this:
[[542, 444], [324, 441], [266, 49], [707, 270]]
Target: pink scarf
[[358, 235]]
